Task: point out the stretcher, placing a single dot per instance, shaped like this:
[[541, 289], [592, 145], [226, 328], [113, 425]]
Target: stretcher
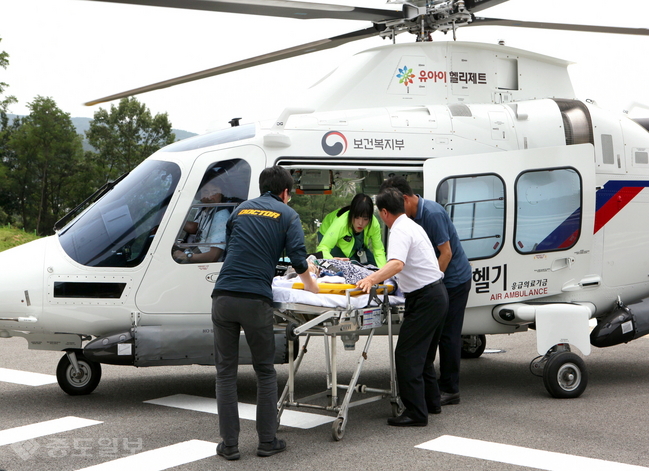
[[360, 315]]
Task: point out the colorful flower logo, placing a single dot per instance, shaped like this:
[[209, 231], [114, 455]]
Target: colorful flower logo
[[405, 76]]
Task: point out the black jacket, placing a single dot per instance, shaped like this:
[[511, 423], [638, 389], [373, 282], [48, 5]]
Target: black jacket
[[257, 232]]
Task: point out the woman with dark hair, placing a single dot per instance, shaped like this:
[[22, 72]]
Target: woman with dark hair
[[355, 235]]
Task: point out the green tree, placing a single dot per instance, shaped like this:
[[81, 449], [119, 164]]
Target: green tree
[[8, 100], [44, 165], [7, 155], [4, 137], [126, 136]]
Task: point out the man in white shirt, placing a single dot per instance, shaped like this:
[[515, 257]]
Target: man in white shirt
[[412, 259]]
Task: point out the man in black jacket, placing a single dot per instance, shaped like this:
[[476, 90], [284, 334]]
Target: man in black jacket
[[257, 233]]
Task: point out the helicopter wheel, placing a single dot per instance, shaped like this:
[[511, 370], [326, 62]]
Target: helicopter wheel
[[473, 346], [78, 384], [565, 375]]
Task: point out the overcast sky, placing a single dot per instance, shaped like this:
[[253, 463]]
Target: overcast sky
[[78, 50]]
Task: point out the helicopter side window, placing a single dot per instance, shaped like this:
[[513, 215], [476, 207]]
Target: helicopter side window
[[476, 205], [548, 210], [118, 230], [201, 238]]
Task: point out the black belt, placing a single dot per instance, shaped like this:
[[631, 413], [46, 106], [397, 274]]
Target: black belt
[[421, 290]]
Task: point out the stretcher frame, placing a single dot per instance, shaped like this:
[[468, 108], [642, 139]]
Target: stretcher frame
[[330, 323]]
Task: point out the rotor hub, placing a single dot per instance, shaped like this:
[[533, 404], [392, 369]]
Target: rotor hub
[[422, 21]]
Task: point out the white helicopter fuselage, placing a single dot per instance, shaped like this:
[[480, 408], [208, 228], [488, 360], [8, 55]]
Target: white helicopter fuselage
[[548, 194]]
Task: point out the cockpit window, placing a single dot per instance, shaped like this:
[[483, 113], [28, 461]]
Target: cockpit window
[[223, 136], [118, 230], [202, 237]]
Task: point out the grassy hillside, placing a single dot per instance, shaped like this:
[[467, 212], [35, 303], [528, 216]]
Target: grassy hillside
[[11, 237]]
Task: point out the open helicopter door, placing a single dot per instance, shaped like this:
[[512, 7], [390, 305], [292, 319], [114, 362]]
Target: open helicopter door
[[525, 219], [187, 261]]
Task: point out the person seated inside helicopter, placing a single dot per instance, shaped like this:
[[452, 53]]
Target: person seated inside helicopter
[[206, 233], [355, 234]]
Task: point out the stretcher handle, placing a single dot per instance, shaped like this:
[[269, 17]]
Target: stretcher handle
[[340, 288], [376, 290], [378, 287]]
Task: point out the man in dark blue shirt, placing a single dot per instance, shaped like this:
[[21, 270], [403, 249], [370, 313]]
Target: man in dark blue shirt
[[457, 278], [257, 233]]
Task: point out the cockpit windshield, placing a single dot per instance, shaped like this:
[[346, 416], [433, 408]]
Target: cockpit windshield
[[117, 231]]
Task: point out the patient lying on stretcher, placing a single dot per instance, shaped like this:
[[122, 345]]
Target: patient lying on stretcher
[[334, 277], [351, 272]]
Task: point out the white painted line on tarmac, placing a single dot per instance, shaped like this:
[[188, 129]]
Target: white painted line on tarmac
[[290, 418], [187, 402], [160, 458], [40, 429], [25, 377], [304, 420], [521, 456]]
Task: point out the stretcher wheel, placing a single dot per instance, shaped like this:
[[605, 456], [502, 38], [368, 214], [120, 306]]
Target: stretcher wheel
[[337, 429], [290, 331], [396, 410]]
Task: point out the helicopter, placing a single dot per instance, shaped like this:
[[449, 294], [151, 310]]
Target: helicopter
[[545, 191]]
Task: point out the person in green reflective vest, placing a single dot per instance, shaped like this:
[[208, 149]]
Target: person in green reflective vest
[[328, 219], [354, 234]]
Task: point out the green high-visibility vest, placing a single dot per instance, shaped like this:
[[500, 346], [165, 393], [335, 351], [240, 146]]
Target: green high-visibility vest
[[340, 235]]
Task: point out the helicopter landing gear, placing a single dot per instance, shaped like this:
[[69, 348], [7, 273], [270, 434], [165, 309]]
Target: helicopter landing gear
[[473, 346], [564, 373], [76, 374]]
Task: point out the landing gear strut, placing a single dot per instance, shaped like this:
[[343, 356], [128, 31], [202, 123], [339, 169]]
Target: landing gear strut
[[473, 346]]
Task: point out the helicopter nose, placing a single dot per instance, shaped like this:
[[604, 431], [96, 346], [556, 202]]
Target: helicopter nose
[[21, 285]]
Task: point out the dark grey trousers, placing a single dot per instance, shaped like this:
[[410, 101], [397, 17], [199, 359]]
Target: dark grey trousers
[[229, 315], [450, 343]]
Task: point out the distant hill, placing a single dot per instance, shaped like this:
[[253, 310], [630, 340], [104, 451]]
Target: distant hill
[[83, 124]]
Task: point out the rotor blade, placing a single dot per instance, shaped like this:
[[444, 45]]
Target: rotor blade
[[479, 5], [281, 8], [251, 62], [560, 26]]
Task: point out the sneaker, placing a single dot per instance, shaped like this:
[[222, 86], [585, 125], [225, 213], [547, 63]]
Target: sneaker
[[271, 448], [228, 452]]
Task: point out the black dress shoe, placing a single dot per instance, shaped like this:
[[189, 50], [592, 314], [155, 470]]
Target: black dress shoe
[[228, 452], [434, 409], [405, 421], [271, 448], [449, 399]]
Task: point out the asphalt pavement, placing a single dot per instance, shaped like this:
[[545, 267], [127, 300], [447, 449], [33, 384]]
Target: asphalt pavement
[[165, 417]]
